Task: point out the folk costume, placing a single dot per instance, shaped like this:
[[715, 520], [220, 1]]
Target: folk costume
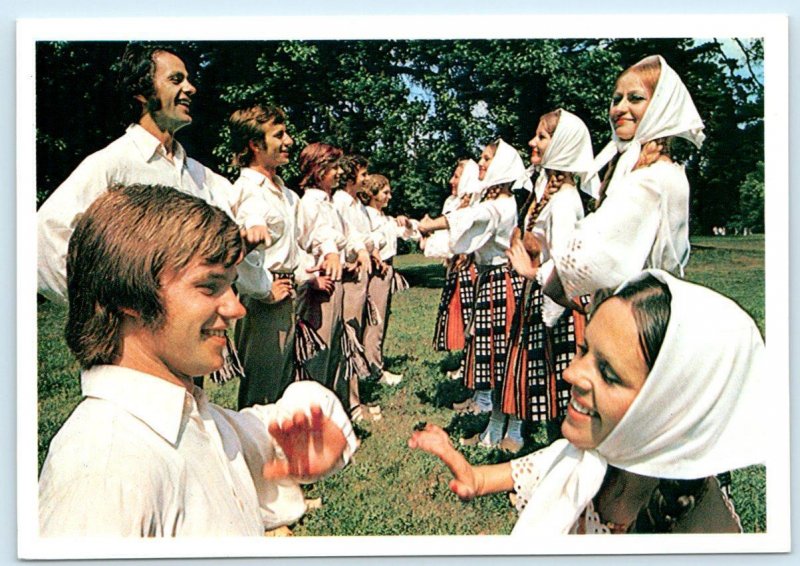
[[643, 220], [484, 229], [382, 286], [265, 337], [137, 157], [544, 333], [692, 419], [143, 457], [458, 293], [359, 236], [321, 232]]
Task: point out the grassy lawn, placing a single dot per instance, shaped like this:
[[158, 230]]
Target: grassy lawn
[[388, 489]]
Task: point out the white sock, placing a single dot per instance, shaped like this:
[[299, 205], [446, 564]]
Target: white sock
[[483, 398], [494, 430], [514, 431]]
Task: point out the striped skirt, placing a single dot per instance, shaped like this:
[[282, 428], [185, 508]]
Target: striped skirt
[[455, 306], [498, 290], [534, 388]]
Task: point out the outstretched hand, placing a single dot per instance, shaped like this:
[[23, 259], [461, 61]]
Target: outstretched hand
[[435, 440], [312, 445]]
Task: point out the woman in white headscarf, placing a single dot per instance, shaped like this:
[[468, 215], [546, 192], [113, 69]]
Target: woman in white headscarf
[[643, 217], [484, 229], [663, 393], [545, 333], [458, 293]]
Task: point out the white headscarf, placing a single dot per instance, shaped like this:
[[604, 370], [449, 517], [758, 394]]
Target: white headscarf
[[468, 183], [570, 150], [693, 417], [507, 167], [671, 112]]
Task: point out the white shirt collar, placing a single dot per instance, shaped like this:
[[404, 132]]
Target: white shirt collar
[[155, 401], [148, 145], [346, 197], [276, 183], [316, 194]]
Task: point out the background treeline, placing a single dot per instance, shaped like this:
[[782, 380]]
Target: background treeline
[[413, 107]]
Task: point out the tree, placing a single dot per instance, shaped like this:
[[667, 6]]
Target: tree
[[413, 107]]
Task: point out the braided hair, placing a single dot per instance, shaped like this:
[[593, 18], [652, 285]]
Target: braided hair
[[554, 178]]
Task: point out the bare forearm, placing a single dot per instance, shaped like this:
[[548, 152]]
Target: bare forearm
[[493, 478], [428, 225]]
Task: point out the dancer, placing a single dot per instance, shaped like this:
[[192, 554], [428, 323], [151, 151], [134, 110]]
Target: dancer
[[545, 333], [485, 229], [158, 96], [643, 217], [265, 337], [145, 454], [320, 301], [458, 293], [385, 281], [664, 390]]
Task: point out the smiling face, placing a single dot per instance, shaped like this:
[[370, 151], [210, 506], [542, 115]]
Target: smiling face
[[199, 306], [274, 151], [456, 178], [628, 104], [539, 143], [169, 105], [381, 200], [329, 179], [362, 176], [486, 159], [606, 375]]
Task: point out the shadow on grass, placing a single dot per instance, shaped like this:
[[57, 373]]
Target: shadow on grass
[[395, 363], [448, 391], [368, 390], [428, 276], [451, 361]]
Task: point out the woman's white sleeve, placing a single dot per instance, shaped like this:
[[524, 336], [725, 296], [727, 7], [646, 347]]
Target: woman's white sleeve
[[614, 242], [472, 227]]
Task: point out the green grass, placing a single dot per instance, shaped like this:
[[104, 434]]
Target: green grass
[[389, 489]]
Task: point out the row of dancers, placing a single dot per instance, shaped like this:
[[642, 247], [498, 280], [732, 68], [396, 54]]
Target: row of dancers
[[584, 321], [517, 287]]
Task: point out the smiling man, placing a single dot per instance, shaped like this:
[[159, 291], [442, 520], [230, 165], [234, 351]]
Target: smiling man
[[265, 337], [154, 83], [145, 453]]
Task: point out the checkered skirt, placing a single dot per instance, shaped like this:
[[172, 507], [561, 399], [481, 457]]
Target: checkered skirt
[[455, 307], [498, 291], [534, 388]]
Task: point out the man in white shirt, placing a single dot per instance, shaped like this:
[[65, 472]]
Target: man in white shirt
[[145, 453], [366, 242], [265, 336], [155, 83]]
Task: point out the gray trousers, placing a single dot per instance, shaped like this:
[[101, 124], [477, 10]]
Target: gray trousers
[[323, 312], [379, 293], [265, 341]]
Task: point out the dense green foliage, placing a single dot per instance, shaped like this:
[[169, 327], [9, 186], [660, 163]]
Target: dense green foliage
[[413, 107], [388, 489]]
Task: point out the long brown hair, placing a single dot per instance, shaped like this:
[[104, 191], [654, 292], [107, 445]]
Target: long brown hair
[[315, 160], [119, 252]]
